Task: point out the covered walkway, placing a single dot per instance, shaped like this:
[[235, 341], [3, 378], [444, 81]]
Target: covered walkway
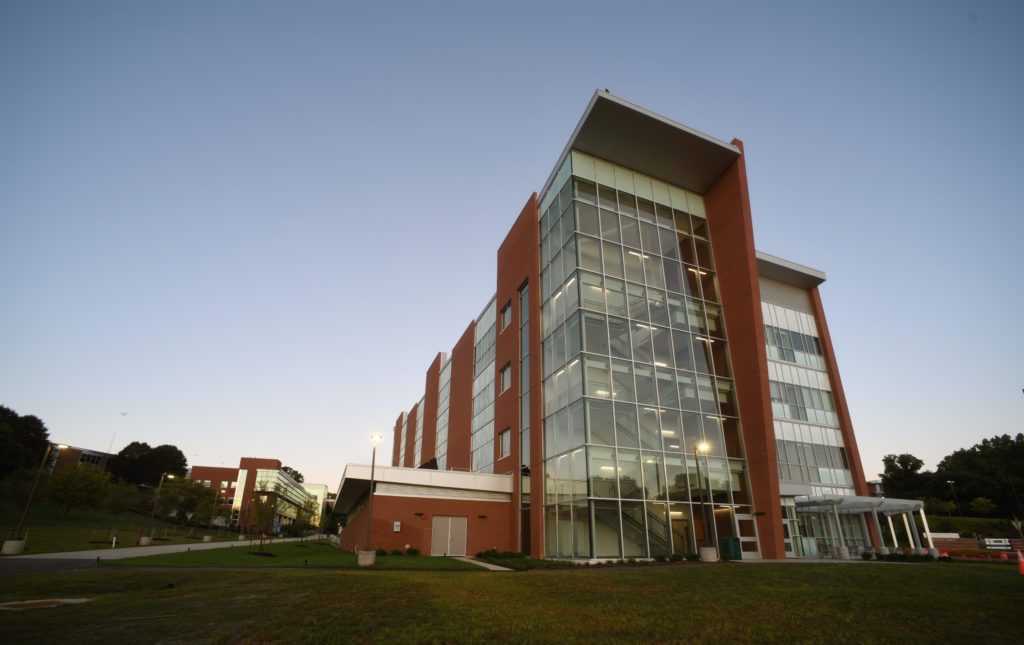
[[877, 507]]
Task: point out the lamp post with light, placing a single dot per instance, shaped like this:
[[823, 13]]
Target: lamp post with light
[[952, 485], [156, 500], [368, 556], [699, 448], [15, 544]]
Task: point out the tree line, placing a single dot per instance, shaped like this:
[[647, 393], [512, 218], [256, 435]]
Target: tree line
[[128, 482], [985, 480]]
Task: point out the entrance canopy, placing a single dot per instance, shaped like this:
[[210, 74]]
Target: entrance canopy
[[855, 504]]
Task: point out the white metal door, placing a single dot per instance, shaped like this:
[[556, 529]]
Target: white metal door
[[448, 535]]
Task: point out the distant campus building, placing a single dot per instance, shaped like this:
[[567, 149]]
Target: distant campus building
[[73, 457], [239, 487], [644, 382]]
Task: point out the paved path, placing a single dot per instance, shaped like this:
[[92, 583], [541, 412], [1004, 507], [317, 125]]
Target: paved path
[[73, 560], [481, 563]]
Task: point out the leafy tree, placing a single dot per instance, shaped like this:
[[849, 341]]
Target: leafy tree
[[71, 488], [187, 500], [993, 469], [901, 478], [263, 512], [23, 441], [296, 475], [140, 464], [121, 497], [982, 506]]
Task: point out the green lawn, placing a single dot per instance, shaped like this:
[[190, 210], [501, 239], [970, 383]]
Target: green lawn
[[315, 555], [50, 531], [726, 603]]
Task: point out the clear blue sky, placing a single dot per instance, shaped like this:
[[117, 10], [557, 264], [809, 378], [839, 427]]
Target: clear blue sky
[[251, 225]]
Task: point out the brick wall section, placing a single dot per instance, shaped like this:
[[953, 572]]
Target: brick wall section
[[70, 458], [732, 240], [397, 441], [410, 438], [518, 263], [482, 533], [216, 476], [252, 464], [430, 411], [460, 409], [860, 484]]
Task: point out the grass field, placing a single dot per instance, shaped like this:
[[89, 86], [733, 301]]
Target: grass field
[[314, 555], [50, 531], [726, 603]]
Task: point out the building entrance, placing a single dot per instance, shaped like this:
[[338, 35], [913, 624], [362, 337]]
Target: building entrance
[[448, 536]]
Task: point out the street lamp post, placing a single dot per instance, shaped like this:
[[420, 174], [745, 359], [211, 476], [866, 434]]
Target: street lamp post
[[368, 556], [699, 448], [17, 543], [156, 500], [952, 484]]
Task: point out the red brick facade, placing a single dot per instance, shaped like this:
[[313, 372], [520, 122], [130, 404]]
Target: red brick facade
[[488, 524], [732, 237]]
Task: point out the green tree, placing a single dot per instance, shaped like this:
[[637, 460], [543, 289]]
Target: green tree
[[71, 488], [263, 507], [121, 497], [23, 441], [296, 475], [902, 478], [993, 469], [142, 465], [982, 506]]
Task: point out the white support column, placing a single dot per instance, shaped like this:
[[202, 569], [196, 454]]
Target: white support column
[[842, 551], [878, 530], [892, 532], [910, 536], [927, 531]]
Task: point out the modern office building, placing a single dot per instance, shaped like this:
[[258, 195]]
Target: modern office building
[[258, 481], [643, 382]]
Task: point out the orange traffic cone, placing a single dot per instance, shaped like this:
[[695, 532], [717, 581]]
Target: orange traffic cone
[[1003, 556], [1020, 563]]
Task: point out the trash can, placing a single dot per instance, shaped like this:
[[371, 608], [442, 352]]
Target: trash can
[[731, 548]]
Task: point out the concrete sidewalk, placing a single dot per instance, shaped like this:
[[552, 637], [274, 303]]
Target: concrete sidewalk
[[136, 551], [65, 560], [481, 563]]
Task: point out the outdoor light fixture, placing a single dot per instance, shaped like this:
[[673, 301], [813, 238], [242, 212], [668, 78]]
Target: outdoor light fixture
[[15, 535], [369, 511], [156, 500], [699, 448]]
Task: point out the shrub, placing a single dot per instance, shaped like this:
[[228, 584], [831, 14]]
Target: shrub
[[381, 551], [412, 551], [693, 557], [396, 552], [865, 555], [675, 557], [489, 553], [660, 558]]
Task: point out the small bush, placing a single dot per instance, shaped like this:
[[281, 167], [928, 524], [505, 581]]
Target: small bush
[[381, 551], [865, 555], [489, 553], [396, 552], [675, 557], [660, 558], [412, 551], [693, 557]]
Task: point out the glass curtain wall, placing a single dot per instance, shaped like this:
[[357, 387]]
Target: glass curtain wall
[[482, 435], [636, 371], [808, 441], [418, 437], [443, 396]]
